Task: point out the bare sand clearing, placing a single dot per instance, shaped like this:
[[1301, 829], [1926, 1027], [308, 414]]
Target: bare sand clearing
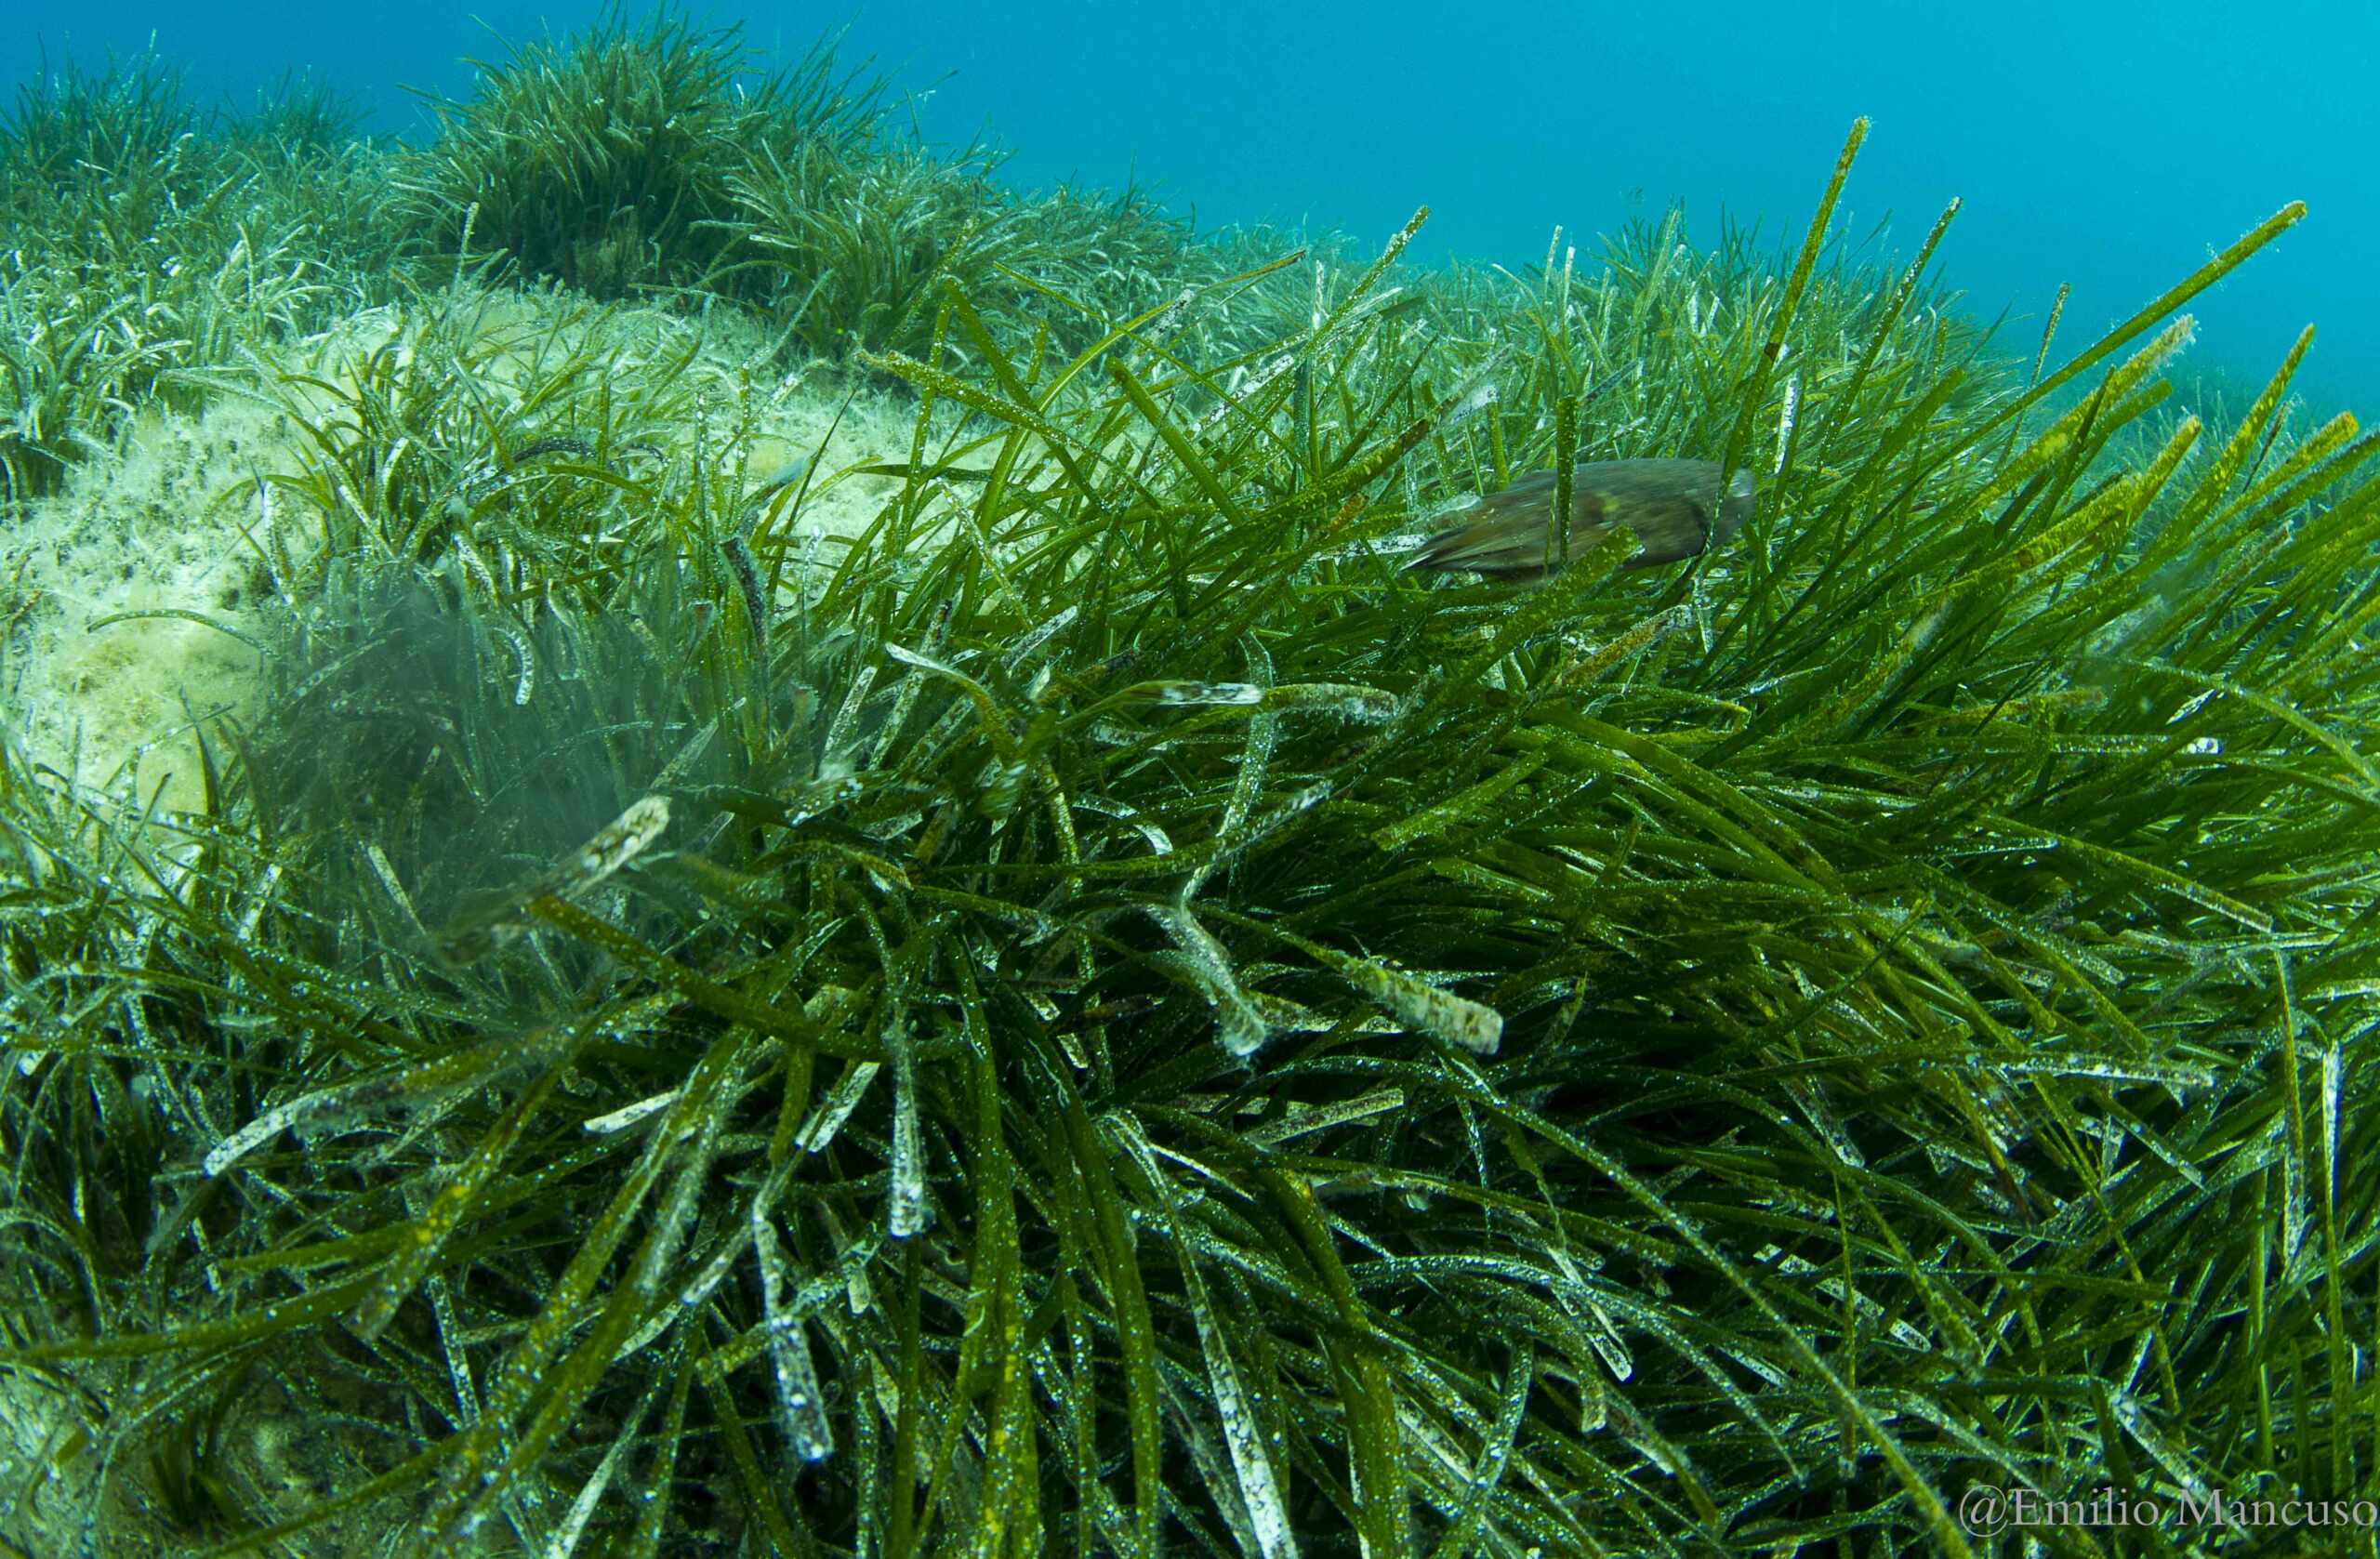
[[129, 600]]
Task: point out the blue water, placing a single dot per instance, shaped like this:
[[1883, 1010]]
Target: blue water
[[2111, 147]]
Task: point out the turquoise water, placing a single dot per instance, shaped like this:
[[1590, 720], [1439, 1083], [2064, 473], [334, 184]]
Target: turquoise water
[[2111, 147]]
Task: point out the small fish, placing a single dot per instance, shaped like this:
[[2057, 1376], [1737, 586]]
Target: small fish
[[1674, 506]]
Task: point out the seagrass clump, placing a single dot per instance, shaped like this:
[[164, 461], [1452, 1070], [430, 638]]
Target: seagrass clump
[[608, 161], [1101, 1015], [148, 238]]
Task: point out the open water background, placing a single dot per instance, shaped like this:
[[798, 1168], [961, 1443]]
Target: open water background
[[2109, 146]]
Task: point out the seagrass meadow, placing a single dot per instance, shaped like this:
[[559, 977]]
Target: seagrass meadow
[[714, 839]]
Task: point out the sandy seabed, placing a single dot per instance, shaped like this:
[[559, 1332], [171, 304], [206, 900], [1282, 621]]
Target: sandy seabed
[[131, 599]]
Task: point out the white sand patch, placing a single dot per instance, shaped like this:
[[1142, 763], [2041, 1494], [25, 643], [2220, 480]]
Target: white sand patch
[[96, 696], [102, 691], [842, 502], [49, 1470]]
